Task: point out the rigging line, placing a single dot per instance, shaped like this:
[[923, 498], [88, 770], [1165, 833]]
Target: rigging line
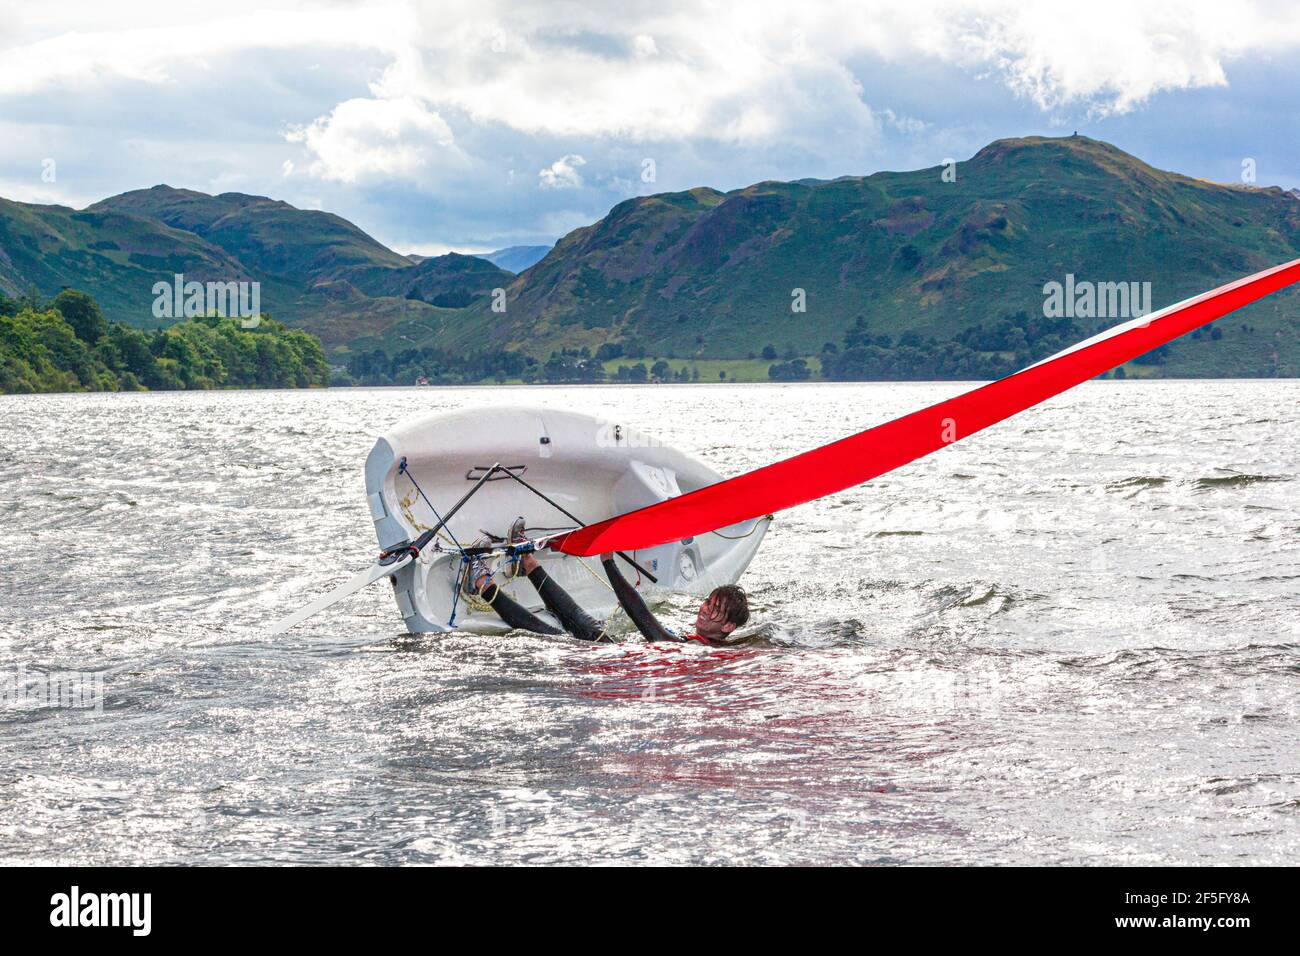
[[569, 514], [474, 599], [599, 579], [405, 504], [455, 595], [411, 478], [741, 537]]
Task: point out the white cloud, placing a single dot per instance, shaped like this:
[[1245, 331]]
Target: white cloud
[[904, 124], [1113, 55], [469, 100], [78, 44], [366, 139], [745, 73], [432, 249], [562, 174], [652, 73], [677, 70]]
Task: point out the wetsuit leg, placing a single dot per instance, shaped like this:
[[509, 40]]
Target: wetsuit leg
[[635, 606], [575, 620], [514, 613]]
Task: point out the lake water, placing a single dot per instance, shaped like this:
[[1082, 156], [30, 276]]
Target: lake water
[[1072, 638]]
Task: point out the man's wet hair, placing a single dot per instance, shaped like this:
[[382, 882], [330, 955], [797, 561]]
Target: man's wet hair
[[733, 602]]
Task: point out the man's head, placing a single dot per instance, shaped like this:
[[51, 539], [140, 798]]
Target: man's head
[[726, 609]]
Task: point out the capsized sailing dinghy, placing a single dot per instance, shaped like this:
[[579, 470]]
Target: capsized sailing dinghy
[[555, 467], [693, 528]]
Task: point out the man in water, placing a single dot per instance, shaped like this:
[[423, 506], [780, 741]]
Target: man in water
[[725, 609]]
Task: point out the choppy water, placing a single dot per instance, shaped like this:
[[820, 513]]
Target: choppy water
[[1072, 638]]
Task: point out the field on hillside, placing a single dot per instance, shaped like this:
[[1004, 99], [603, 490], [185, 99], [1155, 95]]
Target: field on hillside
[[714, 370]]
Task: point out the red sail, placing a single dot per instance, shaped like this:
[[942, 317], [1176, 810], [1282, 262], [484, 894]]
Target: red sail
[[861, 457]]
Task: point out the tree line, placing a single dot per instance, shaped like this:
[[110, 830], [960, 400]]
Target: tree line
[[66, 345], [435, 366], [976, 353]]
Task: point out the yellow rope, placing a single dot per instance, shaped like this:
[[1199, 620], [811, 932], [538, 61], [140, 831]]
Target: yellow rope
[[405, 505], [475, 601], [587, 568]]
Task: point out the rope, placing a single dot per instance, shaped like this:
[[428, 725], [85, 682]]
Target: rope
[[604, 634], [474, 596], [466, 562], [464, 589], [406, 508], [739, 537], [418, 525], [587, 568], [455, 598]]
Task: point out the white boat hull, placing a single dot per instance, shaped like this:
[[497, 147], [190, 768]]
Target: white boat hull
[[592, 468]]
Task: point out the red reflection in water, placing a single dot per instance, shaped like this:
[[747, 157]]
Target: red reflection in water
[[686, 670], [749, 718]]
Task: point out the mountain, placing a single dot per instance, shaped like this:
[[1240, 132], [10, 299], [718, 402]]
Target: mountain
[[316, 270], [516, 258], [114, 256], [266, 235], [920, 258], [452, 281], [703, 273]]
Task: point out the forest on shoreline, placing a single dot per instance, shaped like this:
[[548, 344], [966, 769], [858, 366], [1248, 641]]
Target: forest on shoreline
[[66, 345]]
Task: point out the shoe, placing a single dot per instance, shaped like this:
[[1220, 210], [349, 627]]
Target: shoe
[[477, 577], [517, 534], [518, 531]]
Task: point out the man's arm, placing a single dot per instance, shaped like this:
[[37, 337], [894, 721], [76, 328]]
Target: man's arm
[[635, 605]]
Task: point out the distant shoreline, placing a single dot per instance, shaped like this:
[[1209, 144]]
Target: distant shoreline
[[318, 389]]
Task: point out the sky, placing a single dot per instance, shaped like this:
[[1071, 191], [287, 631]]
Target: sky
[[475, 125]]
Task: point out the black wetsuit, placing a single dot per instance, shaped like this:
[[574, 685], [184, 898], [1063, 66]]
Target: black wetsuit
[[574, 619]]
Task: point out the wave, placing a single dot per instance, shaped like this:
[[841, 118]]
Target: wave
[[1235, 480], [1138, 482], [981, 594], [1170, 663], [1208, 483]]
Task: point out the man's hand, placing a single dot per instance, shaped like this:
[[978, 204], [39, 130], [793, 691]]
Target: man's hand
[[607, 556]]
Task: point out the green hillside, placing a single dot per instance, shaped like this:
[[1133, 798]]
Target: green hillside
[[266, 235], [904, 274], [711, 275], [316, 270], [115, 257]]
